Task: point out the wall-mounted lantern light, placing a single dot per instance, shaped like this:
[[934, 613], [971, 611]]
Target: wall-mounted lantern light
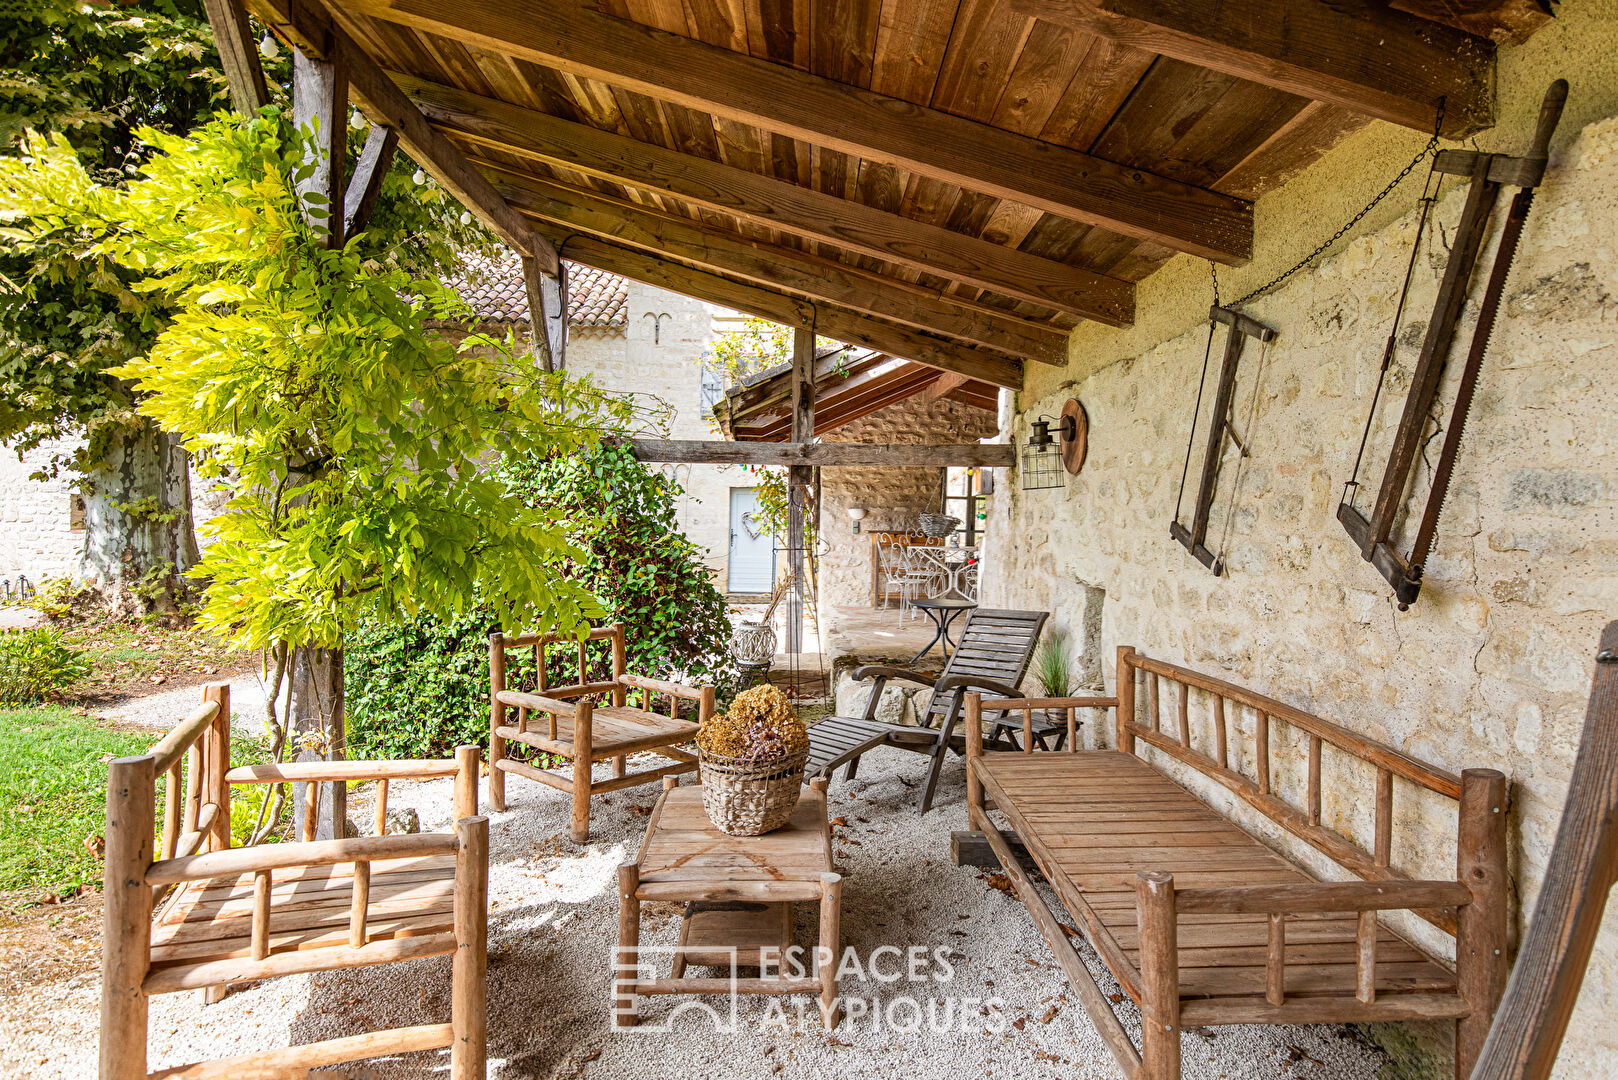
[[856, 514], [1047, 456]]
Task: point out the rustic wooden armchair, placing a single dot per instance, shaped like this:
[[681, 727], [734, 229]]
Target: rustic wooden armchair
[[565, 721], [225, 915]]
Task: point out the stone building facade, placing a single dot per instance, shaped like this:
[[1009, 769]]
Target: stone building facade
[[1491, 666], [632, 338], [39, 534], [638, 339]]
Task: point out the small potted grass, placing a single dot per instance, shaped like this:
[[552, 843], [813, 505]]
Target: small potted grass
[[1053, 671]]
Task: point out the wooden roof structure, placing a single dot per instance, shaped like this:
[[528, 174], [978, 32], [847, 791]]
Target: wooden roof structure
[[953, 182], [846, 388]]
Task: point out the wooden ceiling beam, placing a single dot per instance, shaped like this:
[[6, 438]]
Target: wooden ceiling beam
[[707, 452], [1366, 57], [946, 384], [829, 400], [830, 320], [308, 26], [784, 268], [775, 204], [928, 142]]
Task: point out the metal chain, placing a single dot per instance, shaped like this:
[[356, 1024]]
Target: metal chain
[[1432, 146]]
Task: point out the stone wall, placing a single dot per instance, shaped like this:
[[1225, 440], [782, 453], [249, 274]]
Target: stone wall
[[892, 497], [36, 536], [660, 360], [1492, 665]]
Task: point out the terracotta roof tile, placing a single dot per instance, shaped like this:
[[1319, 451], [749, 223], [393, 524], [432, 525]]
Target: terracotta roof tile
[[494, 288]]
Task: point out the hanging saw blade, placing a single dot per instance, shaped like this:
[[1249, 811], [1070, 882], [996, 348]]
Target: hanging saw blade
[[1549, 114]]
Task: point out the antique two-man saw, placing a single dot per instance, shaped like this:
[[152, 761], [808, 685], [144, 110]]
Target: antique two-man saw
[[1487, 174]]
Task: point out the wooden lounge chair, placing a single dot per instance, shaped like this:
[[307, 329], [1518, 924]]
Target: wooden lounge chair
[[565, 721], [227, 915], [993, 655]]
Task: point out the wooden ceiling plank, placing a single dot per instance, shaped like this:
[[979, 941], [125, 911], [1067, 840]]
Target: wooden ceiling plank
[[1312, 131], [777, 204], [309, 26], [983, 50], [1097, 91], [910, 41], [1370, 59], [830, 320], [781, 267], [818, 110]]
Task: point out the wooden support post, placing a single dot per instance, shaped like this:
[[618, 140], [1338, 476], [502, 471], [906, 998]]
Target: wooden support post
[[126, 920], [623, 980], [798, 480], [497, 717], [1160, 976], [1365, 958], [583, 718], [620, 663], [380, 813], [358, 902], [1275, 961], [831, 914], [466, 782], [1480, 938], [974, 753], [547, 313], [320, 112], [263, 882], [366, 183], [238, 55], [468, 982], [1124, 679], [217, 789]]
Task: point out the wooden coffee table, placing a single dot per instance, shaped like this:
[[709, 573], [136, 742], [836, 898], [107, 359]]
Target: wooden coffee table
[[738, 892]]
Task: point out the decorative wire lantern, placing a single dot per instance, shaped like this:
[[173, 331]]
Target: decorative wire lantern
[[1041, 460]]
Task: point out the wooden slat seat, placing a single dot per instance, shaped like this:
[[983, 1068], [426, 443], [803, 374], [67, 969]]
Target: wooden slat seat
[[1142, 820], [567, 721], [309, 909], [616, 731], [1203, 923]]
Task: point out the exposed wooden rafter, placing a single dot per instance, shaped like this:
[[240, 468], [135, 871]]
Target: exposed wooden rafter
[[827, 319], [927, 142], [981, 455], [782, 268], [308, 26], [238, 54], [366, 183], [1363, 56], [773, 203]]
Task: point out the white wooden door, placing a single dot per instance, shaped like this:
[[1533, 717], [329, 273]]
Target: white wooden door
[[751, 567]]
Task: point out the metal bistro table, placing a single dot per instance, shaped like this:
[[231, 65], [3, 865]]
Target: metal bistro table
[[942, 613]]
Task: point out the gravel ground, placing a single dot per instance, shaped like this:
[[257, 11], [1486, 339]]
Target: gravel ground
[[553, 925], [164, 709]]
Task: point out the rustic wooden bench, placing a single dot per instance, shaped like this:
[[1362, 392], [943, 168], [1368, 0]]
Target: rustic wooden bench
[[1203, 924], [228, 914]]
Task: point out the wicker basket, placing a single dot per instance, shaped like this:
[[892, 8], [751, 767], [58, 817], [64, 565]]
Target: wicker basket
[[753, 643], [747, 799], [939, 525]]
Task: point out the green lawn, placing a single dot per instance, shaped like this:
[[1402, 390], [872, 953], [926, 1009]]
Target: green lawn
[[53, 790]]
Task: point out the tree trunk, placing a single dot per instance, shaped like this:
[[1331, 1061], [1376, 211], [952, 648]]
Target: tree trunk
[[138, 535], [318, 730]]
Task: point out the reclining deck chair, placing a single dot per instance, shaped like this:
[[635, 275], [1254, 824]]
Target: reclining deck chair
[[993, 654], [228, 914]]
